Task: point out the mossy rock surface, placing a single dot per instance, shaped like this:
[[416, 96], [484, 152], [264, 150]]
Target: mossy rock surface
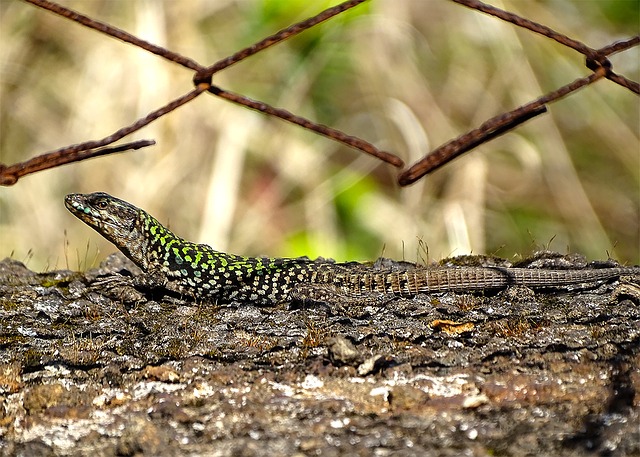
[[511, 373]]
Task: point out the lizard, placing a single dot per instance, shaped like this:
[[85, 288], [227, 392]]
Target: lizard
[[199, 271]]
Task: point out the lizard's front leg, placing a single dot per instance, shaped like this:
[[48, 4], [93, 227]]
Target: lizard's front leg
[[131, 289], [157, 280]]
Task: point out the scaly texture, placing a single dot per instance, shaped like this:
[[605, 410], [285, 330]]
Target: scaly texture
[[204, 273]]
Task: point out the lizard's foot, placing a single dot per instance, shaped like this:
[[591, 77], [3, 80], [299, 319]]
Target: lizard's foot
[[629, 287], [131, 289], [118, 287]]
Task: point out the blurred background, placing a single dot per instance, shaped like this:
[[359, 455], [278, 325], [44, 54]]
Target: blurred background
[[406, 75]]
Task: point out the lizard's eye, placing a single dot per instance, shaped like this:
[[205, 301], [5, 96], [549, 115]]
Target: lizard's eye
[[101, 204]]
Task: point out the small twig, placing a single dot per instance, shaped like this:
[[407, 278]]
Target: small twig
[[490, 129], [116, 33], [206, 74], [9, 175], [329, 132]]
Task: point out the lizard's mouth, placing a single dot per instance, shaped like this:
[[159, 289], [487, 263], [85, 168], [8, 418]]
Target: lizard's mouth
[[112, 218], [76, 204], [79, 207]]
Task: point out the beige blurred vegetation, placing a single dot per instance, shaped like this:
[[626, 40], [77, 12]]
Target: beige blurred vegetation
[[406, 75]]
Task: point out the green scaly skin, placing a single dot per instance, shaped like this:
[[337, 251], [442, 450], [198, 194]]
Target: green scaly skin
[[194, 269], [206, 274]]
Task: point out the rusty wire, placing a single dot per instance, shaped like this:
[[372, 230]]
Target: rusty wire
[[527, 24], [596, 61], [205, 75], [492, 128], [115, 32], [329, 132], [9, 175]]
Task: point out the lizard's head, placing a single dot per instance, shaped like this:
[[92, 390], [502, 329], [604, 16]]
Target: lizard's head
[[115, 219]]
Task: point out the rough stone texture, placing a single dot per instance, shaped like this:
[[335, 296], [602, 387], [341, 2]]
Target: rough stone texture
[[513, 373]]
